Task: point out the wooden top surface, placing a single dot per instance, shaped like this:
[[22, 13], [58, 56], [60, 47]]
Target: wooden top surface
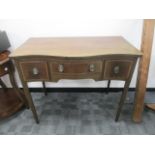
[[76, 47]]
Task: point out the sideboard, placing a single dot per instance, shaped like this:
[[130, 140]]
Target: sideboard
[[98, 58]]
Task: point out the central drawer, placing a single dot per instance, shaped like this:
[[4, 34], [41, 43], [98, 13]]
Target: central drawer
[[75, 69]]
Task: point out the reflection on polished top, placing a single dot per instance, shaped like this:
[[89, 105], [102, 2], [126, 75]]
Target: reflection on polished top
[[76, 47]]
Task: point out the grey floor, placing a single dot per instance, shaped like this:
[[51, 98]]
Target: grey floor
[[80, 113]]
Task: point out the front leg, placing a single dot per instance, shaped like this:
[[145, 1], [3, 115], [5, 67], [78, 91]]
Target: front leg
[[30, 101], [122, 100]]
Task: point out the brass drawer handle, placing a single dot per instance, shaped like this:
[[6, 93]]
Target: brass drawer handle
[[116, 69], [61, 68], [92, 68], [35, 71]]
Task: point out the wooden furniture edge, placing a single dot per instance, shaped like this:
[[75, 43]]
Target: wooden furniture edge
[[146, 48]]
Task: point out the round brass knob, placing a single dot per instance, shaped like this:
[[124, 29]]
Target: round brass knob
[[35, 71], [6, 69], [61, 68], [92, 67], [116, 69]]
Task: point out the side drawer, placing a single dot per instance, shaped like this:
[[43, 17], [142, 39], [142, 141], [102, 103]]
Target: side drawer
[[4, 69], [34, 70], [117, 69]]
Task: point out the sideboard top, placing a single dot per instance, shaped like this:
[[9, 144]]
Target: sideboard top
[[76, 47]]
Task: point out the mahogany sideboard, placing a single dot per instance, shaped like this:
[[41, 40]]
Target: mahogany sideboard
[[98, 58]]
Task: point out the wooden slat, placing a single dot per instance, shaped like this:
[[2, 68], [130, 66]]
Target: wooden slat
[[151, 106], [146, 48]]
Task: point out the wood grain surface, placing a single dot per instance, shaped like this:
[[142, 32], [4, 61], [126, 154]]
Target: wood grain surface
[[75, 47], [9, 103], [146, 48]]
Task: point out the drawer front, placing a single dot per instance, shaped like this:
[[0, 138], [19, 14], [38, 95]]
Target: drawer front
[[4, 69], [75, 70], [34, 70], [117, 69]]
